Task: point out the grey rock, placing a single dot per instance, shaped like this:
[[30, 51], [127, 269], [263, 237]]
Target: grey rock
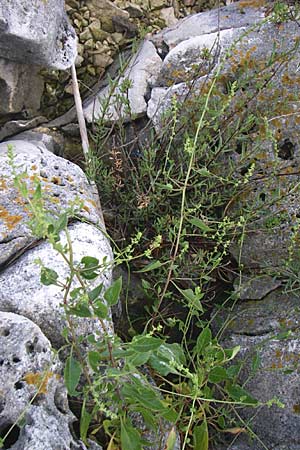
[[14, 127], [34, 32], [196, 56], [232, 16], [62, 182], [269, 331], [26, 360], [43, 137], [23, 293], [21, 88], [276, 312], [142, 71], [276, 377], [255, 287]]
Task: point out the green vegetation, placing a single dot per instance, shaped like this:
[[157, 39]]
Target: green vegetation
[[175, 206]]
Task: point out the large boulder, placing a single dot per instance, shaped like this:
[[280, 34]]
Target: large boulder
[[139, 76], [32, 390], [62, 183], [21, 89], [36, 32], [267, 331], [21, 291]]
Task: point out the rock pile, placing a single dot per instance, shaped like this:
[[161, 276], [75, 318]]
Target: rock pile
[[265, 320]]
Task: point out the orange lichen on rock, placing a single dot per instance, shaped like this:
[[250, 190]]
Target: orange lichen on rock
[[39, 380], [251, 3], [3, 184], [10, 221]]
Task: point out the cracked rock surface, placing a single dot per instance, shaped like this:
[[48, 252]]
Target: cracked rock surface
[[31, 385]]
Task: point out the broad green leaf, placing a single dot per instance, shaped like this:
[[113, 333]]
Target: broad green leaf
[[152, 266], [112, 294], [145, 343], [100, 310], [85, 421], [62, 222], [200, 224], [72, 374], [89, 262], [48, 276], [138, 359], [217, 374], [256, 362], [239, 394], [192, 297], [90, 265], [232, 352], [200, 436], [144, 395], [167, 358], [94, 360], [80, 310], [171, 440], [94, 294], [130, 437], [203, 340]]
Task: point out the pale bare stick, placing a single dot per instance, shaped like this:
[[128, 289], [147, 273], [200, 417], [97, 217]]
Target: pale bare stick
[[84, 137]]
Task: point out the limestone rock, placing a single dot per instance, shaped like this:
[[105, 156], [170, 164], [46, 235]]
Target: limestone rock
[[141, 72], [23, 293], [270, 329], [196, 56], [21, 88], [232, 16], [62, 182], [15, 127], [36, 32], [26, 360], [105, 11], [255, 287]]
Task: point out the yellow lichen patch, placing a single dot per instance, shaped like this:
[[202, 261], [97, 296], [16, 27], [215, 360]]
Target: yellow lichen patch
[[56, 180], [39, 380], [86, 208], [70, 179], [10, 221], [3, 184], [296, 408], [92, 202], [33, 167], [251, 3]]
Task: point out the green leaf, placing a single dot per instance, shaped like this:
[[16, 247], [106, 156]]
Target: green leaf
[[203, 340], [256, 362], [239, 394], [72, 374], [94, 294], [90, 265], [193, 298], [200, 436], [171, 440], [85, 421], [130, 437], [145, 343], [113, 292], [94, 360], [89, 262], [80, 310], [100, 310], [62, 222], [48, 276], [152, 266], [217, 374], [138, 359], [200, 224], [232, 352]]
